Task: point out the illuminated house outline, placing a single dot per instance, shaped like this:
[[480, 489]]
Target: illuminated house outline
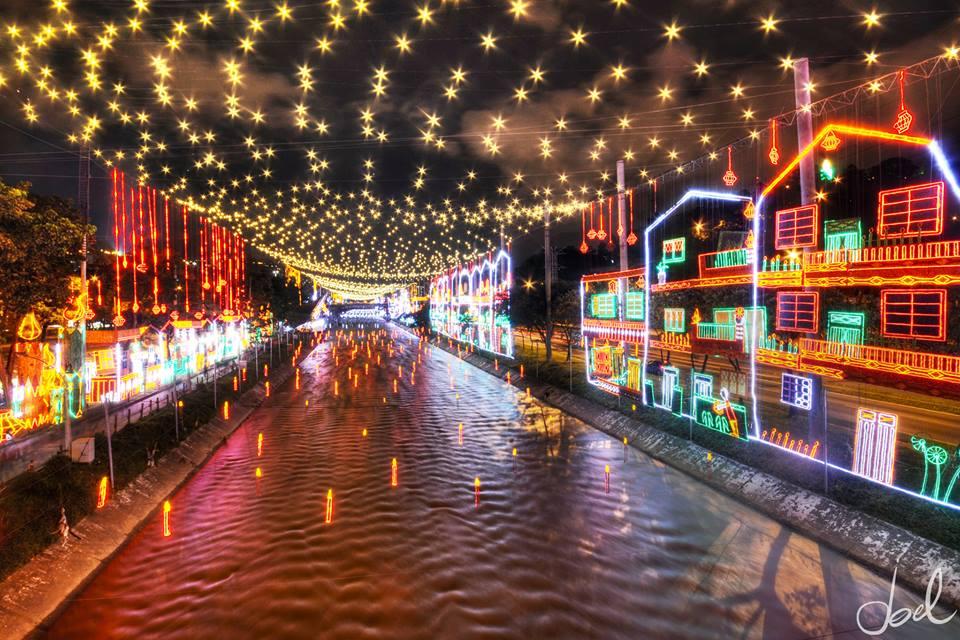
[[838, 257]]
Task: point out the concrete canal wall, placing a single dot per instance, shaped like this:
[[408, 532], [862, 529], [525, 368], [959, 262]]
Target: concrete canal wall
[[870, 541], [37, 590]]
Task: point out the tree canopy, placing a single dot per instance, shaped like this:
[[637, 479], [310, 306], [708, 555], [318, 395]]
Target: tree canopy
[[40, 248]]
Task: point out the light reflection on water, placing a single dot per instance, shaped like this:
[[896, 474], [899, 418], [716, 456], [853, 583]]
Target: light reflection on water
[[548, 553]]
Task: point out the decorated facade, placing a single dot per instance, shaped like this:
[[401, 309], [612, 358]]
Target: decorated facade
[[471, 304], [812, 314]]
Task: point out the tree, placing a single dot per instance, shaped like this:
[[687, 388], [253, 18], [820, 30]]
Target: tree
[[566, 313], [41, 239]]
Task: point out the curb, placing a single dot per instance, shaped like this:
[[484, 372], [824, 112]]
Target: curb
[[874, 543], [37, 592]]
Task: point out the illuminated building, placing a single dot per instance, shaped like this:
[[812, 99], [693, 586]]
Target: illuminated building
[[471, 304], [740, 330]]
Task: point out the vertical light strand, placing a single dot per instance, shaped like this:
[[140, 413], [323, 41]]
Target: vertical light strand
[[186, 262], [152, 225], [166, 229], [204, 285], [116, 242], [133, 245]]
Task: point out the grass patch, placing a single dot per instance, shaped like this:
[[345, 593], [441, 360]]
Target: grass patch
[[30, 503], [929, 520]]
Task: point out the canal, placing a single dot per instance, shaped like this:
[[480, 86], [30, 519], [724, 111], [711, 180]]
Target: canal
[[550, 546]]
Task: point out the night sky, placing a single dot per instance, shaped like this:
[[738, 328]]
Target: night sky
[[378, 142]]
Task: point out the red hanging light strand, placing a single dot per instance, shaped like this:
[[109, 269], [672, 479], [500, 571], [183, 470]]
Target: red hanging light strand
[[116, 239], [774, 153], [186, 262], [152, 214], [166, 229], [610, 216], [123, 218], [601, 233], [133, 245], [583, 230], [904, 117]]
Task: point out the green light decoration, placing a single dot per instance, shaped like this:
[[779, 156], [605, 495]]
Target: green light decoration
[[634, 306], [843, 234], [827, 171], [936, 456], [706, 414], [729, 258], [603, 305], [674, 250], [846, 327], [674, 320], [633, 373], [953, 480], [662, 269]]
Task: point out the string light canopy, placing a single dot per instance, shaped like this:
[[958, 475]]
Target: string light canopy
[[370, 143]]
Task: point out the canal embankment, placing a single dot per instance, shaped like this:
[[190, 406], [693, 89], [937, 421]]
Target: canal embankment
[[880, 545], [36, 590]]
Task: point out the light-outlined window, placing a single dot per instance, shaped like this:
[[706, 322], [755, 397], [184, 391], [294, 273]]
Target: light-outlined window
[[603, 305], [798, 311], [674, 250], [796, 391], [634, 306], [797, 227], [916, 314], [911, 211], [674, 320]]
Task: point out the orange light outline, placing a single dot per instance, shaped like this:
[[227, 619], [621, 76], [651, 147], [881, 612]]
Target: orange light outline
[[816, 311], [847, 130], [942, 322], [941, 210], [794, 242]]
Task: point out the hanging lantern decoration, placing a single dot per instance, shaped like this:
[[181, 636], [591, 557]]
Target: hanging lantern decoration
[[592, 234], [774, 153], [619, 216], [904, 117], [631, 237], [583, 231], [610, 219], [601, 234], [831, 141], [730, 178]]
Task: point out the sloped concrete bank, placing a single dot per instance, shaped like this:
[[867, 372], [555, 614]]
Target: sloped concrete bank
[[36, 591], [870, 541]]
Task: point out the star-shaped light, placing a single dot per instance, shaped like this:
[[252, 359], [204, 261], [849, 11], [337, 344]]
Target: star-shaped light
[[672, 31], [578, 38], [768, 24]]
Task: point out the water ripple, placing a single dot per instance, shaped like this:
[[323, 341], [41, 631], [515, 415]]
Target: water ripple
[[548, 553]]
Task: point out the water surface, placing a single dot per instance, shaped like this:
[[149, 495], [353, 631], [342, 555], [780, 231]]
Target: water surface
[[549, 552]]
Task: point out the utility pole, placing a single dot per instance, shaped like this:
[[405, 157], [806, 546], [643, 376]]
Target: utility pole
[[622, 215], [801, 91], [548, 282], [77, 346]]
